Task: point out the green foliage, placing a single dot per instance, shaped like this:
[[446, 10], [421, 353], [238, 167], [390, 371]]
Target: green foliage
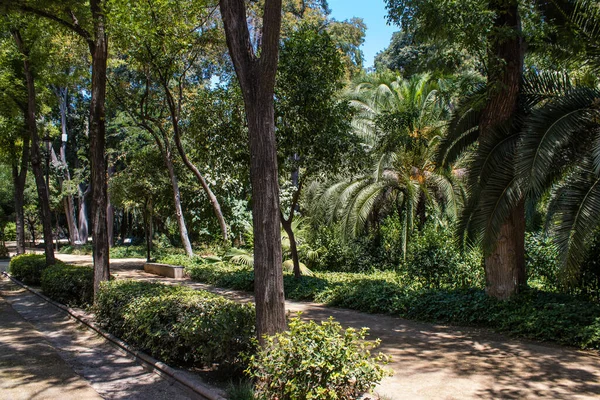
[[69, 284], [542, 262], [177, 325], [80, 250], [313, 125], [10, 231], [243, 390], [535, 314], [316, 361], [434, 260], [28, 268]]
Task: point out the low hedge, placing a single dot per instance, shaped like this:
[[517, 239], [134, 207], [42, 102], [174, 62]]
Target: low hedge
[[69, 284], [178, 325], [533, 314], [28, 268]]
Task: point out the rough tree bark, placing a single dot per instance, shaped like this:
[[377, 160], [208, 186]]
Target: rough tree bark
[[99, 49], [82, 215], [36, 155], [257, 80], [505, 266], [110, 213]]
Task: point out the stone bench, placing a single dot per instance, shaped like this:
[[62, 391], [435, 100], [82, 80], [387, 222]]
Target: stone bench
[[170, 271]]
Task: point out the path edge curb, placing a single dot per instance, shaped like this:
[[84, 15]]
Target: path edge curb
[[146, 360]]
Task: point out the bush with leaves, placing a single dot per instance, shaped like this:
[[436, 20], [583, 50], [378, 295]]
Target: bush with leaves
[[542, 262], [316, 361], [434, 260], [176, 324], [69, 284], [28, 268]]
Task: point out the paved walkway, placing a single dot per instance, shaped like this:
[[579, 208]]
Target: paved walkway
[[45, 354], [440, 362]]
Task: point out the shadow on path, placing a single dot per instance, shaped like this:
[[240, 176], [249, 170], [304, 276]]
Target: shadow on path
[[41, 346]]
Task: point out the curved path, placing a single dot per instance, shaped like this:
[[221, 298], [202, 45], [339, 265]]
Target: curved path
[[441, 362]]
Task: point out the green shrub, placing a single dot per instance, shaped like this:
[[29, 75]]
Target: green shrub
[[69, 284], [28, 268], [358, 255], [80, 250], [177, 324], [589, 278], [115, 296], [541, 262], [316, 361], [434, 260], [10, 231]]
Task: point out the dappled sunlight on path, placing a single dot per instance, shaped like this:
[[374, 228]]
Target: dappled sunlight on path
[[42, 347]]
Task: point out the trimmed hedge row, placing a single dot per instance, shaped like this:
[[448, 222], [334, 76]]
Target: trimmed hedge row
[[178, 325], [533, 314], [28, 268], [69, 284]]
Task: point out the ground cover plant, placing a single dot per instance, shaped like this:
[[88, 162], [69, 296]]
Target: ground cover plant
[[534, 313]]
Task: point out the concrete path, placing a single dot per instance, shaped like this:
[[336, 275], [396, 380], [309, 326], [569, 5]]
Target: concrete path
[[45, 354], [441, 362]]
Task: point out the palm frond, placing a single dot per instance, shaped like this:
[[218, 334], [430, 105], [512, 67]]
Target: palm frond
[[576, 209], [553, 131], [240, 257], [288, 266]]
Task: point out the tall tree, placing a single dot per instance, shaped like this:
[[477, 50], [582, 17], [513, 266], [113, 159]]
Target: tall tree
[[36, 154], [256, 68], [14, 136], [495, 27], [89, 22], [313, 124], [172, 66]]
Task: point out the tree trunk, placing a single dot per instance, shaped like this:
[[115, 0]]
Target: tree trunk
[[36, 156], [110, 213], [19, 179], [99, 50], [287, 226], [68, 202], [82, 217], [211, 196], [505, 266], [257, 80], [148, 228], [183, 233]]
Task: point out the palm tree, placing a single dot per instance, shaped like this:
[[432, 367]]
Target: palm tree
[[400, 122], [551, 145]]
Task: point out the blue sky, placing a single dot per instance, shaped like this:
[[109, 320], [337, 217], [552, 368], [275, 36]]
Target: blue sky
[[373, 13]]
